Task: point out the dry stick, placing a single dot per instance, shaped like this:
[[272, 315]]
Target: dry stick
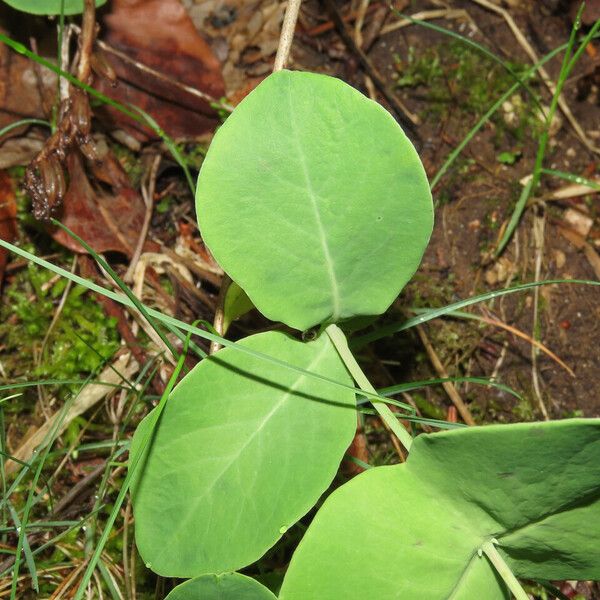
[[287, 34], [426, 15], [490, 320], [86, 41], [408, 119], [538, 236], [148, 196], [360, 20], [158, 75], [545, 77], [63, 86], [462, 408]]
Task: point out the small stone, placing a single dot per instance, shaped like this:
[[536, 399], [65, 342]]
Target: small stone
[[577, 221], [559, 259]]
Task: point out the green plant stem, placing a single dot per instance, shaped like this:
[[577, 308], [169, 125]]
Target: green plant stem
[[337, 337], [504, 570]]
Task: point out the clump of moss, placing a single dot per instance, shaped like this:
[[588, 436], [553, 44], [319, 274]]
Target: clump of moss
[[454, 77], [82, 338]]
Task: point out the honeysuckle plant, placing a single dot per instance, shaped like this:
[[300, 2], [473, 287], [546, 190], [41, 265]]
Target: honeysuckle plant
[[316, 204]]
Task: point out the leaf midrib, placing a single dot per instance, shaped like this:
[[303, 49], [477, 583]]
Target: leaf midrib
[[199, 500], [329, 263]]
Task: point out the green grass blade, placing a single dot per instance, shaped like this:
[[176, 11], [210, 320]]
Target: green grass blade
[[173, 149], [573, 178], [109, 581], [10, 397], [122, 285], [51, 542], [515, 217], [416, 385], [131, 111], [22, 542], [28, 384], [29, 560], [434, 313], [8, 128]]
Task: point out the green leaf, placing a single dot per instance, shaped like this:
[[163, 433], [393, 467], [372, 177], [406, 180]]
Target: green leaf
[[50, 7], [314, 201], [231, 586], [414, 530], [236, 304], [508, 158], [244, 449]]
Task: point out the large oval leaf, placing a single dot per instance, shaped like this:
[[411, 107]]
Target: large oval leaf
[[414, 530], [313, 199], [231, 586], [243, 449], [50, 7]]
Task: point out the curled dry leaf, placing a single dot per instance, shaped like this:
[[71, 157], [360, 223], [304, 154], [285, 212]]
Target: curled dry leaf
[[8, 216], [160, 35], [105, 221], [26, 89]]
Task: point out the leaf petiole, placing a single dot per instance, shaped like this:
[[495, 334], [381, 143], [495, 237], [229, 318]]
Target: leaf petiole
[[489, 549], [338, 339]]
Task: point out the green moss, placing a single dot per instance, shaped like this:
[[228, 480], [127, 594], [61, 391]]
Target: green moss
[[80, 341], [131, 163], [459, 81]]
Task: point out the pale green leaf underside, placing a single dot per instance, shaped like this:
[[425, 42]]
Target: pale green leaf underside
[[231, 586], [243, 449], [50, 7], [413, 530], [312, 198], [236, 304]]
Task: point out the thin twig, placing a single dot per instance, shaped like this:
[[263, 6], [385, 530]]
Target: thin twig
[[462, 408], [86, 41], [426, 15], [158, 75], [360, 20], [148, 196], [287, 34], [539, 222]]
